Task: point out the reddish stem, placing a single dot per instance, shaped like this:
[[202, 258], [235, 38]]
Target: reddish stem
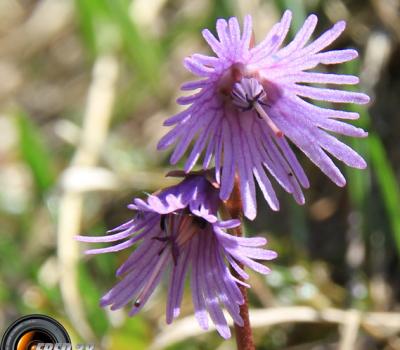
[[244, 335]]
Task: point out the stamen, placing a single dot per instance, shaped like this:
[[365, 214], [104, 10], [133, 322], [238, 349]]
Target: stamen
[[263, 115], [162, 222], [175, 253], [161, 250], [186, 230], [249, 94], [161, 239], [200, 222], [170, 225]]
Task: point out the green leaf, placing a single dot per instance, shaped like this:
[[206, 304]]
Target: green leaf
[[135, 334], [99, 29], [298, 10], [85, 18], [91, 296], [376, 155], [35, 153], [144, 53], [106, 25], [387, 183]]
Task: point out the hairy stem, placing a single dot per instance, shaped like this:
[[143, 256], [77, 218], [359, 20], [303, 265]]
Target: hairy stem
[[234, 209]]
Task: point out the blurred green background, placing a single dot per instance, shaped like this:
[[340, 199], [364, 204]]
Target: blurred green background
[[84, 89]]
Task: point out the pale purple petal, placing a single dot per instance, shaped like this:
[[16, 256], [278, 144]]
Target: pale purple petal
[[301, 37], [247, 32], [209, 290], [200, 310], [176, 286], [228, 170], [331, 95]]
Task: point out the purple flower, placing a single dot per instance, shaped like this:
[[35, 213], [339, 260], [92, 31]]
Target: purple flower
[[178, 231], [250, 100]]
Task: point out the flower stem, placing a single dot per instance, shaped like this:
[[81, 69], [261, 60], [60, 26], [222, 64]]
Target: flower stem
[[234, 209], [244, 335]]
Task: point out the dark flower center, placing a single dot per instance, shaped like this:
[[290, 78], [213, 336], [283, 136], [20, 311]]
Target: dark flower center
[[178, 229], [246, 93], [200, 222]]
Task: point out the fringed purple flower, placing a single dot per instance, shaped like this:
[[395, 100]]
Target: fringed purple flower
[[177, 231], [250, 100]]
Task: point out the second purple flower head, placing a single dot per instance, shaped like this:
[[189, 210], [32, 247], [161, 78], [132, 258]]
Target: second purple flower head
[[177, 232]]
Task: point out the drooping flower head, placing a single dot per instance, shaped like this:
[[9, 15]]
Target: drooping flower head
[[250, 101], [177, 231]]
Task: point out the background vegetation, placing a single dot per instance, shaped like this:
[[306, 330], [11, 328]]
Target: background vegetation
[[84, 88]]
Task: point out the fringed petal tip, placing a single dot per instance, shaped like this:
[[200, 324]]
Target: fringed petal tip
[[300, 200], [212, 219], [202, 319], [340, 25], [104, 302], [90, 239], [91, 252], [274, 206], [272, 255], [224, 331], [251, 215], [247, 26], [361, 164], [365, 99], [312, 17], [161, 146], [227, 224], [287, 16]]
